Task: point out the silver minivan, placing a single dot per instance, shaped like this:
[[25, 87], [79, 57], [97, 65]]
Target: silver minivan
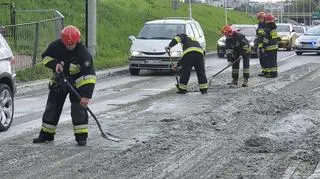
[[7, 84], [148, 48]]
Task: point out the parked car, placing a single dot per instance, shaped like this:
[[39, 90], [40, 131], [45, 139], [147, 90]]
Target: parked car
[[287, 36], [148, 49], [309, 41], [300, 30], [249, 31], [7, 85]]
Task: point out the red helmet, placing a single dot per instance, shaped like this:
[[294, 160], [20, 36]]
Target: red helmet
[[227, 30], [261, 14], [70, 35], [269, 17]]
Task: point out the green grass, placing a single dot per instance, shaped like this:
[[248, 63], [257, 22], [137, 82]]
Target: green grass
[[117, 19]]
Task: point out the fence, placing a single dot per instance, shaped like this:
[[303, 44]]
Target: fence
[[29, 40]]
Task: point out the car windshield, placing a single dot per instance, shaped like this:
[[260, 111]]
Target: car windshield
[[247, 31], [283, 28], [161, 31], [313, 32], [298, 29]]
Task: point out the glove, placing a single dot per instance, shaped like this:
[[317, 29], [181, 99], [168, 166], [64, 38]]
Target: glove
[[175, 67], [59, 68], [229, 63]]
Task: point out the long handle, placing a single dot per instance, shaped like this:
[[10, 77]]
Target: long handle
[[106, 135]]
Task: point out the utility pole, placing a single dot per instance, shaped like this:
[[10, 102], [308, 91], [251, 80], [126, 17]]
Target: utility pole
[[310, 10], [91, 23], [225, 12], [190, 10], [304, 14]]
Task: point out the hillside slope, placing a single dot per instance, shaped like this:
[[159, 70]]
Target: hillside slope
[[117, 19]]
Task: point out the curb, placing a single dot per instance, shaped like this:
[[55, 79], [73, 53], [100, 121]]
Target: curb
[[30, 87], [25, 88]]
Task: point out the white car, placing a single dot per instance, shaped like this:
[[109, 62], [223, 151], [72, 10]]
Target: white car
[[148, 49], [7, 85]]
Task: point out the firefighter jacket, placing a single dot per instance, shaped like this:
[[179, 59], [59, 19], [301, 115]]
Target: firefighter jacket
[[189, 44], [270, 40], [260, 34], [78, 65], [237, 45]]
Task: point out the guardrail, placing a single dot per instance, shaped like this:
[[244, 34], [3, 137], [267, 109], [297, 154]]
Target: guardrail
[[29, 40]]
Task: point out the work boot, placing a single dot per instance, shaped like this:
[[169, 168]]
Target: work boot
[[43, 137], [81, 140], [245, 82], [261, 74], [203, 91], [234, 82]]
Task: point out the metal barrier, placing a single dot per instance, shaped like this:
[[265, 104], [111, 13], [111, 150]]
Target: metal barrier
[[29, 40]]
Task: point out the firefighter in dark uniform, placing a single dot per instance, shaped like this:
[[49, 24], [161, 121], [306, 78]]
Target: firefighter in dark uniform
[[270, 46], [193, 55], [67, 55], [260, 35], [237, 45]]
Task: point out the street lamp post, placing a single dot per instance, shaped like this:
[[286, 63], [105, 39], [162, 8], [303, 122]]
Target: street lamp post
[[225, 12], [190, 10]]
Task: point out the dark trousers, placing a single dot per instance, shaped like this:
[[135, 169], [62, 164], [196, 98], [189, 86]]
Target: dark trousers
[[236, 66], [189, 60], [271, 64], [51, 115], [261, 59]]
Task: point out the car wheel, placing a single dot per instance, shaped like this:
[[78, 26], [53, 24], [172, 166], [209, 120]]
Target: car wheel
[[134, 71], [299, 53], [6, 107]]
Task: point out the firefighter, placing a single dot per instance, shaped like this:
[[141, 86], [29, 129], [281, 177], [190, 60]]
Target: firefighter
[[270, 46], [260, 34], [193, 56], [237, 45], [69, 56]]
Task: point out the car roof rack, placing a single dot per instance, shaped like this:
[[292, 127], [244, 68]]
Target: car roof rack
[[179, 18]]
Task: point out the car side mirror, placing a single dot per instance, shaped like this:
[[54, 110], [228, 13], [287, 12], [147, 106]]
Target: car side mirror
[[132, 38]]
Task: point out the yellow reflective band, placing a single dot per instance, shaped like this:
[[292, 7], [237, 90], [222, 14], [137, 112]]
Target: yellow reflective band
[[272, 47], [48, 128], [274, 34], [246, 70], [274, 69], [196, 49], [178, 39], [265, 40], [81, 130], [203, 86], [47, 60], [246, 48], [235, 71], [261, 31], [192, 38], [260, 45], [74, 69], [182, 86], [89, 79]]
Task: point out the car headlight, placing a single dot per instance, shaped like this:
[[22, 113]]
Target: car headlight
[[221, 43], [176, 54], [135, 53]]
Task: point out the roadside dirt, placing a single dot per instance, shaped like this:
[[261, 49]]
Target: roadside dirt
[[268, 130]]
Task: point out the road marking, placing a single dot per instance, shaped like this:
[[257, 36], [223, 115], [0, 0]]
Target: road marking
[[290, 170], [316, 173], [287, 57]]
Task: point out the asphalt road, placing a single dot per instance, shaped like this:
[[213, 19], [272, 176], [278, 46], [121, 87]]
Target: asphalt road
[[268, 130]]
